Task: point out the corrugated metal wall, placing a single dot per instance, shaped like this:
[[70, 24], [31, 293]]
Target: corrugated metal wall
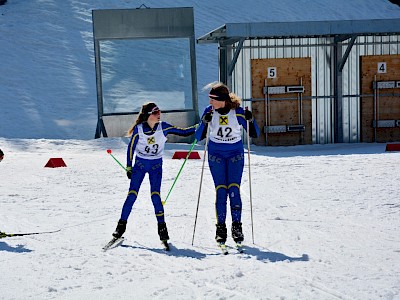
[[321, 51], [364, 45]]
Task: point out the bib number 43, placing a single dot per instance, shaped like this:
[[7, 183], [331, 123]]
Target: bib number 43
[[153, 149]]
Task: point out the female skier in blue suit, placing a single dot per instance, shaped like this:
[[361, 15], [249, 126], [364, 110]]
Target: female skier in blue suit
[[148, 137], [224, 116]]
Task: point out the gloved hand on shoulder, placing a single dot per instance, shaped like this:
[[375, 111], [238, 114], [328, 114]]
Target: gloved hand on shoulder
[[248, 115], [208, 117], [129, 172]]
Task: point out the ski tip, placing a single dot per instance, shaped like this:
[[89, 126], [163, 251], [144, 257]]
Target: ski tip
[[223, 248], [115, 242], [239, 247]]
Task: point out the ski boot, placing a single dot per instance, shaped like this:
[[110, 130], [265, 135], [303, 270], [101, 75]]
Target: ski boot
[[237, 233], [163, 233], [221, 234], [121, 227]]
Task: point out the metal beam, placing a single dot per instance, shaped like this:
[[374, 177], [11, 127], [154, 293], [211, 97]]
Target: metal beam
[[231, 66], [338, 92], [343, 60]]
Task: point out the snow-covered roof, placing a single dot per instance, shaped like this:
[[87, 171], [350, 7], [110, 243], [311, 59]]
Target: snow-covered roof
[[301, 29]]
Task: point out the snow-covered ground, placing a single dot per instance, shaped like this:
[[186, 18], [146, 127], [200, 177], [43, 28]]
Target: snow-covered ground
[[326, 224]]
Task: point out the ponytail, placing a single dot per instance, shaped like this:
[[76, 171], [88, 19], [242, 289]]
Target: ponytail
[[142, 117]]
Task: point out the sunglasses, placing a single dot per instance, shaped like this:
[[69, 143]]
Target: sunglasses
[[155, 111]]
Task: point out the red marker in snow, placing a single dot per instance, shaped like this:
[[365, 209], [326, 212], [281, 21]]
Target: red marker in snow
[[109, 151]]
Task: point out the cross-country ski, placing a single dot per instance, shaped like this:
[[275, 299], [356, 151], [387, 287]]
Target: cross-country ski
[[113, 243]]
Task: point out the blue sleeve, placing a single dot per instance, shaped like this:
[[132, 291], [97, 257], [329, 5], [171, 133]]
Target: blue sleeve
[[170, 129], [201, 130], [131, 147], [240, 117], [254, 130]]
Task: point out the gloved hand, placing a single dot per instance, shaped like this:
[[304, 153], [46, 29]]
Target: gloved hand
[[129, 172], [248, 115], [207, 117]]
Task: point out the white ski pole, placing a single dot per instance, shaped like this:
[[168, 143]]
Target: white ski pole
[[251, 198], [201, 180]]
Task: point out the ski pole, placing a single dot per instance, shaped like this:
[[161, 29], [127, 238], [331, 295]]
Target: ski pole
[[251, 201], [109, 151], [3, 234], [201, 180], [180, 170]]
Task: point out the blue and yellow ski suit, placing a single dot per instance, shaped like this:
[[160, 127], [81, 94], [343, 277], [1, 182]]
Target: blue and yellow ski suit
[[226, 157], [148, 145]]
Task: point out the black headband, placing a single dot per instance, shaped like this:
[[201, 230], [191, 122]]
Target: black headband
[[217, 95]]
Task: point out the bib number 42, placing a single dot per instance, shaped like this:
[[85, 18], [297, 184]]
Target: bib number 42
[[224, 132]]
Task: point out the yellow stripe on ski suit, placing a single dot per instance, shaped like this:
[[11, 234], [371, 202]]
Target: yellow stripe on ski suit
[[223, 187], [133, 192]]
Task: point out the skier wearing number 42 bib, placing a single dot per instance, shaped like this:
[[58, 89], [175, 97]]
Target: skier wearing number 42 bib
[[148, 137], [225, 118]]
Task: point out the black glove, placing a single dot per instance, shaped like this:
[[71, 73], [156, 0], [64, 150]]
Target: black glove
[[248, 115], [129, 172], [207, 117]]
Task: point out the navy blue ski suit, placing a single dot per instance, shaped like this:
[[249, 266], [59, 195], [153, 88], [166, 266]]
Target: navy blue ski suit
[[153, 167], [226, 158]]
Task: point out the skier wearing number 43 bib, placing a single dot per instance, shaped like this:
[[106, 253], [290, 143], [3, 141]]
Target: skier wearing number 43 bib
[[225, 118], [148, 137]]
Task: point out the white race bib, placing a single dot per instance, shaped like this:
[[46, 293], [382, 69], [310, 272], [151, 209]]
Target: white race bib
[[150, 146], [225, 128]]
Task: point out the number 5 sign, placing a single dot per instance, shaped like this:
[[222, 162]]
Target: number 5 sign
[[272, 72], [381, 67]]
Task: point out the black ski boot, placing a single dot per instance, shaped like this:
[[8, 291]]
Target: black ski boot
[[121, 227], [221, 234], [163, 231], [237, 233]]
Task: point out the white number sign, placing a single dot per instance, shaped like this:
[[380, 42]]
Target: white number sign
[[381, 67], [272, 72]]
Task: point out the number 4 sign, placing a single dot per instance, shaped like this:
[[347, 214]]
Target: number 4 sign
[[381, 67]]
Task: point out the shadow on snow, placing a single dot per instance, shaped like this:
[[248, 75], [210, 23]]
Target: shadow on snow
[[17, 249], [267, 256], [270, 256], [173, 251]]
